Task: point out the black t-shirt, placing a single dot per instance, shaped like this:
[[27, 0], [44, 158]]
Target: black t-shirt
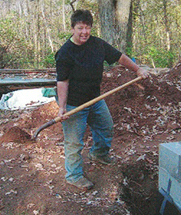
[[83, 66]]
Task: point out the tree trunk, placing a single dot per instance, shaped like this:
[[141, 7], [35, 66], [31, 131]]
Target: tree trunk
[[47, 28], [114, 16], [107, 22], [38, 33], [63, 15], [20, 8], [166, 24], [129, 41], [28, 26]]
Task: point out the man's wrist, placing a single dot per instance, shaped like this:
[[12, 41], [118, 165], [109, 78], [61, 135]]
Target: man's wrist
[[137, 68]]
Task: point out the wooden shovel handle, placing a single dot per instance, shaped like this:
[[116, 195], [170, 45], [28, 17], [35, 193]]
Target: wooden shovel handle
[[93, 101], [85, 105]]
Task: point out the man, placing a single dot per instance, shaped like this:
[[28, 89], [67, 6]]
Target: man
[[79, 66]]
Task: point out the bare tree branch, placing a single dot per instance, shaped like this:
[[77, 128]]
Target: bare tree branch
[[71, 4]]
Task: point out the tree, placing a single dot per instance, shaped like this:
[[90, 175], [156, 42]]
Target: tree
[[166, 23], [114, 16], [46, 25]]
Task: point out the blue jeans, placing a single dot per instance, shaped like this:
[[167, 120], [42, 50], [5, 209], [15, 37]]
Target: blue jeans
[[98, 117]]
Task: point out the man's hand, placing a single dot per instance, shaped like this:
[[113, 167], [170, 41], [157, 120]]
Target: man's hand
[[129, 64], [61, 113], [143, 73]]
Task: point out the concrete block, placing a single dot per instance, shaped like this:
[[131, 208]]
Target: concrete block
[[175, 190], [170, 159]]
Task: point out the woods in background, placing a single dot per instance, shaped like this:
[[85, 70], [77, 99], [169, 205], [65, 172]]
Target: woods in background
[[32, 30]]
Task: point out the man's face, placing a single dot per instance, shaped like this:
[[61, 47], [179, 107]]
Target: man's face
[[81, 33]]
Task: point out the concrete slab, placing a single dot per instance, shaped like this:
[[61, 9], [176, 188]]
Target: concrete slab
[[170, 159]]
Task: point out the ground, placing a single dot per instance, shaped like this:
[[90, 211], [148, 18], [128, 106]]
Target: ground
[[145, 115]]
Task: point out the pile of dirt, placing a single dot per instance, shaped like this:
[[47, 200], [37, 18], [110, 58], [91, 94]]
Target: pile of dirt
[[15, 134], [174, 75], [147, 108], [41, 115]]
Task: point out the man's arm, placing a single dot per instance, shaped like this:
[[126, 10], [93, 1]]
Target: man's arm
[[62, 90], [129, 64]]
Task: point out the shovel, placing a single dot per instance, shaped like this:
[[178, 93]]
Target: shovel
[[85, 105]]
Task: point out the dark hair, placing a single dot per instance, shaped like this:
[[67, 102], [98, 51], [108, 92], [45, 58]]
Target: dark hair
[[84, 16]]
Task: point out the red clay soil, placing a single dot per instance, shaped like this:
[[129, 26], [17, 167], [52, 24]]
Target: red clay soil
[[145, 114], [15, 134]]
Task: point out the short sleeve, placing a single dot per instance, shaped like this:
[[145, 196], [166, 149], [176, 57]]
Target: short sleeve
[[112, 55], [63, 65]]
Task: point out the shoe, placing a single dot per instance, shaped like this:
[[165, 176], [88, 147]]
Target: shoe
[[82, 183], [101, 159]]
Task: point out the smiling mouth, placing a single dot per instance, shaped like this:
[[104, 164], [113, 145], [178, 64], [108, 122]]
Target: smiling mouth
[[84, 37]]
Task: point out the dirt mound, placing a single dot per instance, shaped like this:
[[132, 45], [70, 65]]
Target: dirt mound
[[40, 115], [15, 134], [174, 75], [146, 108]]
